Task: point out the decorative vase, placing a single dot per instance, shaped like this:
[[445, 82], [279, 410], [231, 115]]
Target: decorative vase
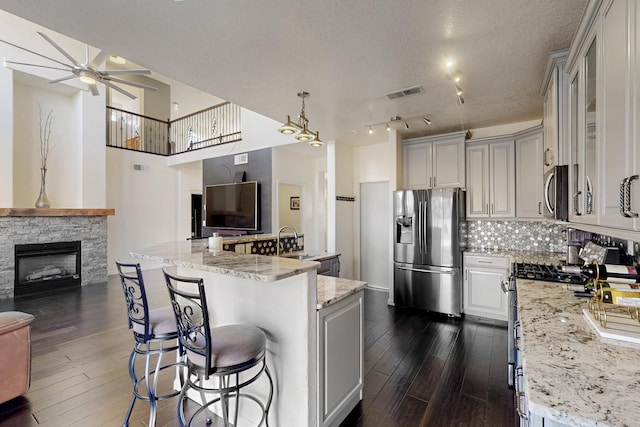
[[43, 201]]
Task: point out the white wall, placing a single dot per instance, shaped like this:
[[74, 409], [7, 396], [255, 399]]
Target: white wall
[[290, 167], [63, 180], [145, 202], [189, 182], [6, 136], [340, 224]]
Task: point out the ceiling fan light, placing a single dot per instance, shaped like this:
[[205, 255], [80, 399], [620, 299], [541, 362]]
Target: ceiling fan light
[[287, 128], [116, 59], [85, 78]]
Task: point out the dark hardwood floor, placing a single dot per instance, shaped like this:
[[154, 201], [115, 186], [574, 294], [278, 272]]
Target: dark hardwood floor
[[420, 369]]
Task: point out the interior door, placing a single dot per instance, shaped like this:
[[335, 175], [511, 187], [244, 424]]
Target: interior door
[[375, 220]]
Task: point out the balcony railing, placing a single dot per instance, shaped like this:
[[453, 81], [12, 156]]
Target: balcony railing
[[217, 125]]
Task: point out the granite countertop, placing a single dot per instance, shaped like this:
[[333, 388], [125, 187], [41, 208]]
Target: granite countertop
[[333, 289], [571, 375], [194, 254], [521, 256]]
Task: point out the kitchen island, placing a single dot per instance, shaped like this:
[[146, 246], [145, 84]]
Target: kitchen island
[[571, 375], [280, 296]]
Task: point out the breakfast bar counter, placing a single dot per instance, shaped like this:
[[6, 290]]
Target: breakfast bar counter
[[293, 306], [571, 375], [275, 294]]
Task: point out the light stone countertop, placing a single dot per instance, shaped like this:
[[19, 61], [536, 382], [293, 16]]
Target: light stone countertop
[[333, 289], [571, 375], [194, 254], [521, 256]]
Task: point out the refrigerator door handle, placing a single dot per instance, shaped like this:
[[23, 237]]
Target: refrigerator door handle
[[422, 270]]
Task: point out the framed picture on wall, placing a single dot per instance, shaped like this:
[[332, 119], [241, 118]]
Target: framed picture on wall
[[294, 203]]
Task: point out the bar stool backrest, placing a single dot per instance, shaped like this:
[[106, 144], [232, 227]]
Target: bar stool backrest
[[136, 298], [189, 304]]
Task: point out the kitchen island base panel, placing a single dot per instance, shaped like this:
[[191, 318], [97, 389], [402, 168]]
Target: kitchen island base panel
[[286, 311]]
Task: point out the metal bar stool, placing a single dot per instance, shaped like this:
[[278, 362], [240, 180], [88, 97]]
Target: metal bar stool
[[155, 334], [221, 353]]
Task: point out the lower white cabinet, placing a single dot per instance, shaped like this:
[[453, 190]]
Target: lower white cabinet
[[340, 359], [484, 289]]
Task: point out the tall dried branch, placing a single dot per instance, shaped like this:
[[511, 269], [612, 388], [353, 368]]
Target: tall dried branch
[[45, 134]]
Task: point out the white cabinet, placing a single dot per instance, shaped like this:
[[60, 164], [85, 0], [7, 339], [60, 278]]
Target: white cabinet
[[435, 162], [491, 178], [604, 116], [555, 111], [529, 173], [340, 359], [484, 290]]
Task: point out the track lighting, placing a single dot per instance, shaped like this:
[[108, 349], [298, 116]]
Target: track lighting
[[458, 90], [460, 100], [426, 120], [388, 128], [391, 123], [304, 135]]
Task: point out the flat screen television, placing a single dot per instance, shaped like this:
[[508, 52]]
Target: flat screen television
[[232, 206]]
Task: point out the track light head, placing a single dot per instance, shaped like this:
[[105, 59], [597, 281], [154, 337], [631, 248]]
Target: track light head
[[426, 120], [406, 125], [370, 130], [388, 128], [460, 100]]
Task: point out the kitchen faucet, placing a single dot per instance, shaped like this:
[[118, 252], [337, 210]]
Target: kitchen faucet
[[295, 234]]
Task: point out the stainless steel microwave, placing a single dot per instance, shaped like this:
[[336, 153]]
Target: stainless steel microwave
[[556, 193]]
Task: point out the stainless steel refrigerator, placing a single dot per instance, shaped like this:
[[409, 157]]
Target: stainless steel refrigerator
[[427, 249]]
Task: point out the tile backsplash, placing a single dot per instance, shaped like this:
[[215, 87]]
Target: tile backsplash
[[517, 235]]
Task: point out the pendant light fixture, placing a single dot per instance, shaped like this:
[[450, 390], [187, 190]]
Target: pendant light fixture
[[301, 126]]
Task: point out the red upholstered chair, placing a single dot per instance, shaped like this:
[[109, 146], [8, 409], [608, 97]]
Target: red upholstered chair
[[15, 354]]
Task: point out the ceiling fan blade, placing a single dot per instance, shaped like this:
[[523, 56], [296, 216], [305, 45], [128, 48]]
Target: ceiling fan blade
[[37, 65], [124, 72], [127, 82], [122, 91], [94, 89], [61, 50], [72, 76], [36, 53], [98, 59]]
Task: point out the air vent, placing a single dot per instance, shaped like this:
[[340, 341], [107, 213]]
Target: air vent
[[142, 168], [241, 159], [405, 92]]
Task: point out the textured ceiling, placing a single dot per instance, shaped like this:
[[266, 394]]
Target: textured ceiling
[[347, 54]]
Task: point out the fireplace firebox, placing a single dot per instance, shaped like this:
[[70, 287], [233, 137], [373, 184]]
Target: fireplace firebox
[[46, 267]]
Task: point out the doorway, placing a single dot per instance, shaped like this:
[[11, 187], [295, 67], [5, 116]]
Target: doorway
[[375, 220], [196, 216]]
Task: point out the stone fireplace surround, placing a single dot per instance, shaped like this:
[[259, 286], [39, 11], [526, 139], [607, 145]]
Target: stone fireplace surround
[[24, 226]]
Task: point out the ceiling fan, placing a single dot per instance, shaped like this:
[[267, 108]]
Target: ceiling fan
[[87, 72]]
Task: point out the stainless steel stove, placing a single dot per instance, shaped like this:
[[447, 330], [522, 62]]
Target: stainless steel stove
[[548, 273]]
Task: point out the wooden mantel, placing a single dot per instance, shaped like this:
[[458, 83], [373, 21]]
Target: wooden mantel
[[55, 212]]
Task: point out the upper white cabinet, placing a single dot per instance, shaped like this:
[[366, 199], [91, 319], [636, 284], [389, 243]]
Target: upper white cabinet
[[435, 162], [491, 178], [529, 173], [555, 120], [604, 116], [585, 132]]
